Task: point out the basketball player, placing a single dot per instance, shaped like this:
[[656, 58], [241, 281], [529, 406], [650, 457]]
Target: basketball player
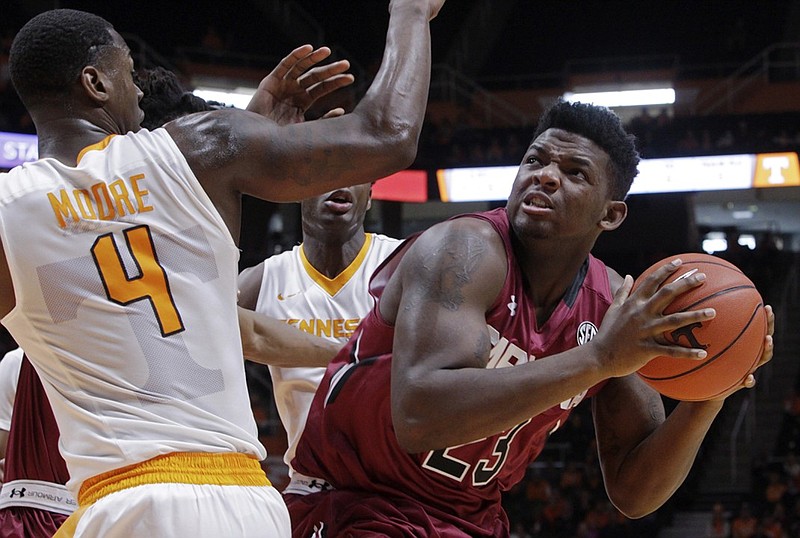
[[34, 500], [319, 287], [119, 264], [489, 329]]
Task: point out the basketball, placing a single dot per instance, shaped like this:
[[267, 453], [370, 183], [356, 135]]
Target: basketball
[[734, 339]]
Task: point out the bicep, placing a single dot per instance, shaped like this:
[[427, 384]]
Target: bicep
[[249, 283], [450, 278], [260, 158]]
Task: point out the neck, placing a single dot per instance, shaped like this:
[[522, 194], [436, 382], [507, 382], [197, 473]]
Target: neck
[[549, 270], [63, 138], [331, 257]]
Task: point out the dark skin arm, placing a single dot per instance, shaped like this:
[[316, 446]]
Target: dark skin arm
[[442, 394], [267, 340], [234, 152], [250, 286], [270, 341], [644, 455]]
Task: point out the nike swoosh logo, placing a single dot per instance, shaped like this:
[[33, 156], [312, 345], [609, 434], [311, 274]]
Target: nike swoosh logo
[[282, 297]]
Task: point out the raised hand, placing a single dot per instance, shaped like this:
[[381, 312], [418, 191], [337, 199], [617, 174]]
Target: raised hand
[[288, 91]]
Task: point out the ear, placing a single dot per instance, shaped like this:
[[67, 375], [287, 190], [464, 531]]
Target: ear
[[615, 214], [369, 200], [93, 83]]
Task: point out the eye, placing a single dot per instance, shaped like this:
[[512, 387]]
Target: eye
[[580, 174], [532, 159]]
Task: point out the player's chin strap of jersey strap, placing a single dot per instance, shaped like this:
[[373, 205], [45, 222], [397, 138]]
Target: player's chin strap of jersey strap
[[37, 494], [301, 484]]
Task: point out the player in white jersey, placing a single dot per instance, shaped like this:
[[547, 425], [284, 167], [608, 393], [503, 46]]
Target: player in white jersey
[[319, 287], [118, 267]]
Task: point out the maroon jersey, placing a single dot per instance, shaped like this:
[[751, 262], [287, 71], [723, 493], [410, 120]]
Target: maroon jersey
[[349, 440], [32, 454]]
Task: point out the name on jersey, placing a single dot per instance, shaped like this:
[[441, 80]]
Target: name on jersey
[[332, 328], [101, 201], [505, 354]]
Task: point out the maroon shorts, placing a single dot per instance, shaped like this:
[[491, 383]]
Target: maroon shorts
[[349, 514], [23, 522]]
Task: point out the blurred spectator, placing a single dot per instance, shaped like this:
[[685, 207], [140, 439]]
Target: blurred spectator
[[744, 525], [718, 526]]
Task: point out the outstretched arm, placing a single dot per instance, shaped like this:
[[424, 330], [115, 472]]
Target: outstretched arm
[[287, 163], [644, 456], [270, 341]]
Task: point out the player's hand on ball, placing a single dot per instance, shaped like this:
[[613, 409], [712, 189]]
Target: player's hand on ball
[[766, 356], [632, 330]]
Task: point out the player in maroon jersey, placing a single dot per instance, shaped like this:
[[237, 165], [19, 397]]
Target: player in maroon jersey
[[489, 329], [33, 498]]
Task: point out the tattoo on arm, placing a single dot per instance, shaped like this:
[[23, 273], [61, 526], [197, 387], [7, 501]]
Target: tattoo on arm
[[455, 270]]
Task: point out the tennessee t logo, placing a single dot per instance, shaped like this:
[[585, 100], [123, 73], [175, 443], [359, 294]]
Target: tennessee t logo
[[687, 332]]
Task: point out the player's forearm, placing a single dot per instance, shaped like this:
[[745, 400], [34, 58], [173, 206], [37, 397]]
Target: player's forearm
[[450, 407], [656, 468], [396, 101], [270, 341]]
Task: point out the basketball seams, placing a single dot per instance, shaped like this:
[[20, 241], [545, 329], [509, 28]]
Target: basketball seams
[[709, 360], [713, 295], [733, 295]]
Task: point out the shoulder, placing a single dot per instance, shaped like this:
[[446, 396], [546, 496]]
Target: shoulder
[[249, 283], [467, 244], [202, 136]]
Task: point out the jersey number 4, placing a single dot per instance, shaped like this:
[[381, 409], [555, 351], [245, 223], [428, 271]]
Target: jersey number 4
[[151, 283]]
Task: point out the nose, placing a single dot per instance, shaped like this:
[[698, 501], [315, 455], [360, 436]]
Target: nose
[[548, 176]]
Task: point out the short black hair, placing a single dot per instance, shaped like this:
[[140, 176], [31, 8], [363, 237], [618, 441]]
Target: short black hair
[[165, 98], [50, 50], [603, 127]]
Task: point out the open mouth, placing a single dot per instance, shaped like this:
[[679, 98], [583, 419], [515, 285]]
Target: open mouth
[[536, 201], [339, 201]]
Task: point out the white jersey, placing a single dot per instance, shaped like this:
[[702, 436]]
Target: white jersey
[[294, 291], [125, 282], [9, 375]]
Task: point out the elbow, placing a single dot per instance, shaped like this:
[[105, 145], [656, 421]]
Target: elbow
[[407, 147], [414, 432], [397, 140], [632, 504], [411, 436]]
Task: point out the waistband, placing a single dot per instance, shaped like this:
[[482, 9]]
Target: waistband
[[37, 494], [301, 484], [220, 469]]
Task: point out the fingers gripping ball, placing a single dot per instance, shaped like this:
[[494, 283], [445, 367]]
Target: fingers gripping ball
[[734, 339]]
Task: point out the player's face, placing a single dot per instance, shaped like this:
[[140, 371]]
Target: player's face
[[338, 213], [561, 189], [123, 104]]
